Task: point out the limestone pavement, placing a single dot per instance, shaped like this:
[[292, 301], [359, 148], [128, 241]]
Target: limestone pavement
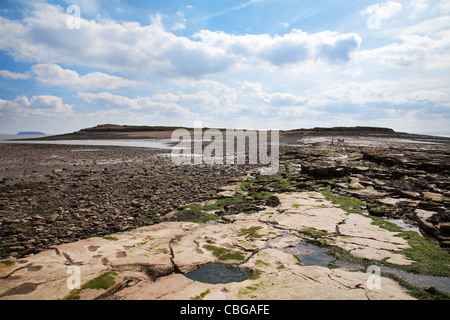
[[152, 262]]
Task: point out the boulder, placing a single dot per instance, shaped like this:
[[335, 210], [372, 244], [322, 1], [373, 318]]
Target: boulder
[[434, 224], [325, 172], [377, 211], [444, 228], [273, 201]]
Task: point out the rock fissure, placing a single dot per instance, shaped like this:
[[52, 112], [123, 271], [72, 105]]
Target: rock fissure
[[335, 278], [338, 224], [12, 272], [172, 255]]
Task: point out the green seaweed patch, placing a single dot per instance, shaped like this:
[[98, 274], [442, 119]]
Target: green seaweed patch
[[429, 257], [351, 205], [147, 219], [340, 254], [255, 274], [315, 233], [262, 263], [110, 238], [224, 253], [196, 216], [202, 295], [7, 262], [246, 245], [248, 290], [104, 281], [376, 210], [250, 232]]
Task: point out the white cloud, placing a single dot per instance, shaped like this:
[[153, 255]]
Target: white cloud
[[380, 12], [50, 74], [414, 91], [418, 5], [202, 98], [14, 75], [178, 26], [445, 6], [429, 51], [340, 97], [181, 24], [131, 48], [295, 47], [141, 104], [425, 27], [42, 105], [258, 92]]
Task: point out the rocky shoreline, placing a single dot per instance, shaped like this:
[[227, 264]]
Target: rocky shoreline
[[335, 192], [399, 182], [53, 194]]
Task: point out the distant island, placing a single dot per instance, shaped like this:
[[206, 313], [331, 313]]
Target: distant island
[[127, 128], [115, 131], [31, 133]]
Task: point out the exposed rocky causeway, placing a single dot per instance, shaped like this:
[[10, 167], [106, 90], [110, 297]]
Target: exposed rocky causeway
[[152, 262], [53, 194], [133, 225]]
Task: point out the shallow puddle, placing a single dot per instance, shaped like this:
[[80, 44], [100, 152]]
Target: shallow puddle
[[404, 226], [310, 255], [441, 283], [218, 273]]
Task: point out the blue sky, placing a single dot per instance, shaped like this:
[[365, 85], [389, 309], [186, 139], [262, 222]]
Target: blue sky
[[255, 64]]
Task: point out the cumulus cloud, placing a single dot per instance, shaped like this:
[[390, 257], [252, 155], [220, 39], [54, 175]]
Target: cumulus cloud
[[202, 98], [428, 51], [42, 105], [340, 50], [257, 91], [414, 92], [132, 48], [292, 48], [141, 104], [50, 74], [14, 75], [126, 47]]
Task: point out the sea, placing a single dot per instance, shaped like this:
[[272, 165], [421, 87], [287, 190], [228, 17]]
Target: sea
[[141, 143]]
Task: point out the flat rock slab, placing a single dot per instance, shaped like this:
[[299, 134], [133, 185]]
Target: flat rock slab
[[151, 262], [280, 277]]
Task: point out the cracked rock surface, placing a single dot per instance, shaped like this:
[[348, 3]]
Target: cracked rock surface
[[152, 262]]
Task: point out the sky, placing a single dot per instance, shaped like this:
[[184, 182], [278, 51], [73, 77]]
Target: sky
[[250, 64]]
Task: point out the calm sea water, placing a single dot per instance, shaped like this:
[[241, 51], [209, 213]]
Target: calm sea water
[[142, 143]]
